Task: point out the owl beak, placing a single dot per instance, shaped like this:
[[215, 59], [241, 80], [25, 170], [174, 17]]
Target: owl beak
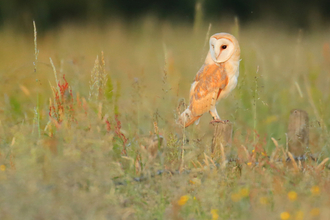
[[213, 56]]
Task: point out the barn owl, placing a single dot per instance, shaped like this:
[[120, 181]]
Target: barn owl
[[215, 79]]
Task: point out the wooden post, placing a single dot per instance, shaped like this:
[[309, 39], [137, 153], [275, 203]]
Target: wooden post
[[298, 132], [223, 133]]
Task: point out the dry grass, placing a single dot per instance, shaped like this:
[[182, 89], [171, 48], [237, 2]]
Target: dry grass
[[72, 142]]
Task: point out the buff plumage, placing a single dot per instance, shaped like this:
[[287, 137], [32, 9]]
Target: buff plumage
[[215, 80]]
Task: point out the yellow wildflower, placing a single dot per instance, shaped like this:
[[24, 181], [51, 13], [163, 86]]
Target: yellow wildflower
[[2, 167], [236, 197], [195, 181], [244, 192], [183, 200], [285, 215], [315, 212], [214, 213], [315, 190], [292, 195], [249, 163]]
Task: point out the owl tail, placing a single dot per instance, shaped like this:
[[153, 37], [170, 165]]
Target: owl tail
[[187, 118]]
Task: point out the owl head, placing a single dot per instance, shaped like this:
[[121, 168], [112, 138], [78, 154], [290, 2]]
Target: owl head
[[223, 46]]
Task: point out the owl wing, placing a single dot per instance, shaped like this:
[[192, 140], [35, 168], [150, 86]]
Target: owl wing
[[209, 82]]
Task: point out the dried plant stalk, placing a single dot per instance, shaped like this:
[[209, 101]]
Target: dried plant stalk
[[320, 166], [295, 166]]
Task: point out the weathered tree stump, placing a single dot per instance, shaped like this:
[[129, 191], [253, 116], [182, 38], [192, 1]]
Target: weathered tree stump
[[298, 132], [223, 133]]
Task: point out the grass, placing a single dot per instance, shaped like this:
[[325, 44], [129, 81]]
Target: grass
[[87, 109]]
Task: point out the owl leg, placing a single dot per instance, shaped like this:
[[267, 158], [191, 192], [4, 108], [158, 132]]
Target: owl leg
[[216, 117], [214, 114]]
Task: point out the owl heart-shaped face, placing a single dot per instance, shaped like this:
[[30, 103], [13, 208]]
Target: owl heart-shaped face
[[221, 48]]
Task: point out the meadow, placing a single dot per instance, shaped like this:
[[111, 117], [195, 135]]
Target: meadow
[[85, 109]]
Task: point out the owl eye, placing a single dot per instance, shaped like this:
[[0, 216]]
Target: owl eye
[[224, 47]]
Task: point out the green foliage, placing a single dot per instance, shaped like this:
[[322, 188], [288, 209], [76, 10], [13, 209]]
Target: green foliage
[[15, 105], [109, 90]]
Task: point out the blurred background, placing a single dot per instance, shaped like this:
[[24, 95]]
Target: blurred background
[[49, 13], [124, 70], [167, 40]]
